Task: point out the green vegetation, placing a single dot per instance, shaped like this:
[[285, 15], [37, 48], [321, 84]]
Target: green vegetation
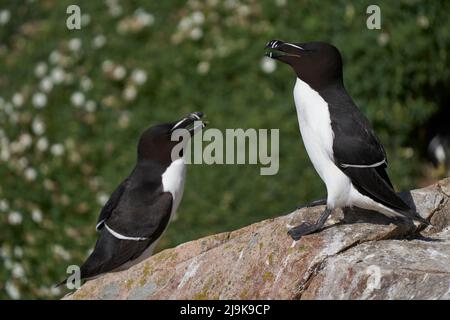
[[73, 103]]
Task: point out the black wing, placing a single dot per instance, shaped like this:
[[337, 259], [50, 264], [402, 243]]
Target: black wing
[[360, 155], [111, 204], [111, 252]]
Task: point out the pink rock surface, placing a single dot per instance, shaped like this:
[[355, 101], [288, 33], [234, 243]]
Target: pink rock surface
[[360, 255]]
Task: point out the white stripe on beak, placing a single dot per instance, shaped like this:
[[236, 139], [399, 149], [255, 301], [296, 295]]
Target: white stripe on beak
[[294, 46], [177, 124]]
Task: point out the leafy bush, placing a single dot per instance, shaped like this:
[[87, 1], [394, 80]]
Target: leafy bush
[[73, 104]]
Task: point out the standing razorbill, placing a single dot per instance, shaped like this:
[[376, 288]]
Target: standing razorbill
[[338, 138], [139, 210]]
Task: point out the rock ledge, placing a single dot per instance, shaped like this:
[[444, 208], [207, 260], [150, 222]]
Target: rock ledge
[[362, 256]]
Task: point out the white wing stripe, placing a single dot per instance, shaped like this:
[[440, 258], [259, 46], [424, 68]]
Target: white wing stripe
[[344, 165], [122, 237], [97, 227]]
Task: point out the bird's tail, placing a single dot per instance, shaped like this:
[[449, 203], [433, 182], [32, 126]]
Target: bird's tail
[[60, 283], [412, 215], [416, 216]]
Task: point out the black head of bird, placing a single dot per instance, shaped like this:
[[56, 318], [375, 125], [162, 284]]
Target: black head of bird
[[316, 63], [156, 144]]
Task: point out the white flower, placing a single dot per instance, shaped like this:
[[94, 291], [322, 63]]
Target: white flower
[[268, 65], [8, 263], [119, 72], [102, 198], [230, 4], [114, 8], [75, 44], [38, 126], [213, 3], [58, 75], [185, 24], [383, 39], [18, 252], [107, 66], [203, 67], [243, 10], [144, 18], [85, 19], [196, 34], [25, 140], [12, 290], [4, 206], [90, 106], [22, 163], [39, 100], [18, 271], [5, 154], [423, 21], [130, 93], [60, 251], [46, 84], [281, 3], [36, 215], [14, 218], [99, 41], [8, 107], [15, 147], [55, 57], [77, 99], [86, 83], [198, 17], [49, 184], [139, 76], [18, 99], [40, 70], [42, 144], [4, 17], [124, 120], [57, 149], [30, 174]]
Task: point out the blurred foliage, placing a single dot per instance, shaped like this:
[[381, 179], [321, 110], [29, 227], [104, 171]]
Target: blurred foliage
[[73, 103]]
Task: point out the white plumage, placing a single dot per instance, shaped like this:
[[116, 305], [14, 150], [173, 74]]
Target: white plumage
[[173, 182]]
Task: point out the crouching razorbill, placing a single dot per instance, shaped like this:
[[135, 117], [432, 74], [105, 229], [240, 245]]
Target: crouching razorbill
[[338, 138], [139, 210]]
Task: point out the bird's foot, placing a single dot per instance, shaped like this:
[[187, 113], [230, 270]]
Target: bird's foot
[[312, 204], [307, 228], [302, 230]]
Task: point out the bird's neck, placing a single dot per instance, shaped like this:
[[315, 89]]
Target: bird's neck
[[150, 170]]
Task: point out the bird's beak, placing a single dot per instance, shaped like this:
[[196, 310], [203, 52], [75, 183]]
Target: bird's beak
[[192, 123], [283, 51]]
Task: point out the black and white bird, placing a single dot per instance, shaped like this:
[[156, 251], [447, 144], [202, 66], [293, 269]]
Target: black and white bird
[[338, 138], [139, 210]]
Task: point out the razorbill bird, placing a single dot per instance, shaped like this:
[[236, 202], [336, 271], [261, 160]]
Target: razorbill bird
[[139, 210], [338, 138]]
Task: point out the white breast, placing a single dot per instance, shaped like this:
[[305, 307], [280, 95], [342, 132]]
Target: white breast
[[315, 127], [173, 182]]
